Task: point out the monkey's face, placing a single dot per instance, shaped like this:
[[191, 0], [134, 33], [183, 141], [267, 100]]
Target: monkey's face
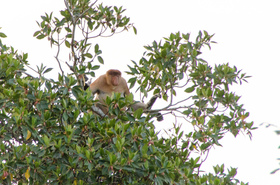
[[113, 76], [115, 80]]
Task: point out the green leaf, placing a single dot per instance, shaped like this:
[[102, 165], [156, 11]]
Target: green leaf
[[67, 44], [95, 67], [36, 33], [135, 30], [186, 36], [100, 59], [2, 35], [274, 171], [41, 36], [64, 104], [144, 149], [88, 55], [96, 48], [138, 113], [132, 82], [233, 172], [190, 89], [68, 29], [47, 70], [25, 56], [217, 181], [46, 140]]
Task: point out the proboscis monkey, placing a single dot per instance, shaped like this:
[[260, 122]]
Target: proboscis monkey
[[111, 82]]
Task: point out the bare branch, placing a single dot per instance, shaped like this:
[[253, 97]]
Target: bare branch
[[57, 54], [181, 101]]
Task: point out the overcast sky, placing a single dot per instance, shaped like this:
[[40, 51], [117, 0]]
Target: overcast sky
[[247, 32]]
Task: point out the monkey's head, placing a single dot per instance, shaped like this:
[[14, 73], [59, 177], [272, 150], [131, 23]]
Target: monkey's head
[[113, 77]]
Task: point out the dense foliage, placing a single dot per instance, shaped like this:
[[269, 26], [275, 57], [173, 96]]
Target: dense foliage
[[49, 135]]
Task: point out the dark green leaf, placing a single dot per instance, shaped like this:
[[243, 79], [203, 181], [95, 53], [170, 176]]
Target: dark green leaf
[[100, 59], [138, 113], [67, 44], [47, 70], [95, 67], [132, 82], [36, 33], [189, 89], [88, 55], [2, 35], [96, 48], [41, 36], [135, 30]]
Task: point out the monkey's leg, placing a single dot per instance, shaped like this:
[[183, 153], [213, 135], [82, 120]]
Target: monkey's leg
[[97, 110], [152, 101], [139, 105]]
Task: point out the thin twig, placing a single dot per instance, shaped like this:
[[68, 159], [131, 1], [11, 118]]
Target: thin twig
[[57, 54]]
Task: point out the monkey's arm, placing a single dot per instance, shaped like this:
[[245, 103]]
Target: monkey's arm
[[96, 86], [124, 86], [147, 107]]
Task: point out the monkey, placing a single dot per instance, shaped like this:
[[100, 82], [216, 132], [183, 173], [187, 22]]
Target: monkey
[[113, 82], [106, 84]]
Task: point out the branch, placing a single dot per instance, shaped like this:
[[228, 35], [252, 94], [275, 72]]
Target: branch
[[171, 98], [29, 67], [21, 71], [73, 32], [181, 101], [171, 109], [56, 57]]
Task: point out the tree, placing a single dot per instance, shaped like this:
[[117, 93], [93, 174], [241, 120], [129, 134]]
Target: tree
[[49, 133]]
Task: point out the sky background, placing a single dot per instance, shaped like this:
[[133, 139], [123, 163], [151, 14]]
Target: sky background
[[247, 35]]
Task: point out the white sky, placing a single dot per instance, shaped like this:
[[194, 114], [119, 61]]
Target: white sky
[[247, 32]]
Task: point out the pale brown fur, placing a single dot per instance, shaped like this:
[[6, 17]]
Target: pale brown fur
[[108, 83]]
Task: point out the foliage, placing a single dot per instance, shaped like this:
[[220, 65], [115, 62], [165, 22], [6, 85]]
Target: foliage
[[175, 67], [49, 134], [80, 22], [277, 169]]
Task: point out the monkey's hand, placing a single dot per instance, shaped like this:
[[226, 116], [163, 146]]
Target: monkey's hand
[[86, 86]]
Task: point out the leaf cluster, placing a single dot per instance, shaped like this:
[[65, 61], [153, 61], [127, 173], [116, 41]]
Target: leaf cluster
[[192, 88], [74, 29]]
